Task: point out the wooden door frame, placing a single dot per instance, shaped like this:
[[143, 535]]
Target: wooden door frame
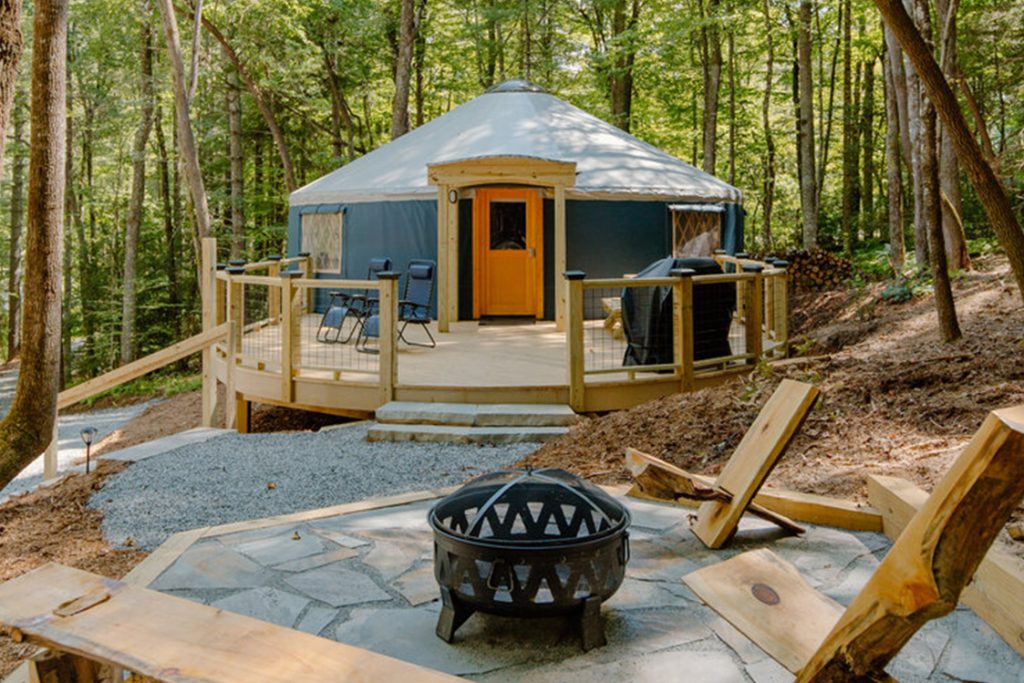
[[533, 196]]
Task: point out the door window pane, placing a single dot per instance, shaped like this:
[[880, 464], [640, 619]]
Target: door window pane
[[508, 225]]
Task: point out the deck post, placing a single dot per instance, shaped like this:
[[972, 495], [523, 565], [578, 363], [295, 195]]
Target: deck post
[[682, 326], [236, 323], [292, 302], [560, 256], [208, 287], [230, 394], [50, 454], [236, 307], [574, 337], [443, 310], [273, 293], [243, 413], [220, 290], [452, 274], [754, 305], [388, 357], [782, 307], [306, 267]]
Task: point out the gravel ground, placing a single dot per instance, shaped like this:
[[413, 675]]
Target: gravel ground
[[248, 476]]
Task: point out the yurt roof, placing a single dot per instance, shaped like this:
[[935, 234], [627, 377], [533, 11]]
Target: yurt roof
[[519, 119]]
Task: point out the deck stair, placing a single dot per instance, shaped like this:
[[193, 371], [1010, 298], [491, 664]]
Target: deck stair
[[470, 422]]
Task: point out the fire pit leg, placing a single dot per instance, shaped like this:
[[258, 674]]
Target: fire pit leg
[[592, 624], [453, 615]]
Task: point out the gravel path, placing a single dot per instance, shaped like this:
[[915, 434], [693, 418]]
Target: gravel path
[[226, 479]]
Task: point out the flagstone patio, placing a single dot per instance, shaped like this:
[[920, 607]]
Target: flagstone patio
[[366, 578]]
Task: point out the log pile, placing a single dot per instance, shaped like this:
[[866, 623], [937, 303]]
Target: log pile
[[815, 269]]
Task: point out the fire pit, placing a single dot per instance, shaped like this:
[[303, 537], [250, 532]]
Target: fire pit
[[531, 543]]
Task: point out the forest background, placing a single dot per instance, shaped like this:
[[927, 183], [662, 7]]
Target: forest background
[[282, 91]]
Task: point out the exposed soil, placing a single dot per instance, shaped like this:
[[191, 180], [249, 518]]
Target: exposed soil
[[54, 525], [895, 399]]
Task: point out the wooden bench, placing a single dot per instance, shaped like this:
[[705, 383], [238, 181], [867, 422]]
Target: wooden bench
[[920, 578], [733, 492], [101, 628]]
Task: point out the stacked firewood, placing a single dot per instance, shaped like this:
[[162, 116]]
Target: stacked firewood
[[815, 269]]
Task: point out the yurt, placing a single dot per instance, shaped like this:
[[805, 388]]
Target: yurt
[[505, 193]]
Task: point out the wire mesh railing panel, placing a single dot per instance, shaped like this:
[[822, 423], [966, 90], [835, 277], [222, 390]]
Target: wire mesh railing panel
[[260, 342], [628, 329], [340, 333], [719, 330]]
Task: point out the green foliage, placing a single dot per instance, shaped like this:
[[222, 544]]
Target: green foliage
[[897, 292], [325, 68], [155, 385]]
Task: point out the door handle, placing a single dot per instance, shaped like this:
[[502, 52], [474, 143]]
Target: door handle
[[533, 253]]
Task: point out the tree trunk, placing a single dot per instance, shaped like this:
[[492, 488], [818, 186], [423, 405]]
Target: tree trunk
[[849, 228], [28, 427], [14, 293], [768, 186], [949, 329], [68, 257], [403, 68], [620, 76], [712, 53], [732, 107], [949, 170], [805, 122], [236, 178], [893, 153], [10, 54], [825, 129], [420, 57], [170, 255], [261, 100], [186, 140], [134, 222], [983, 179], [914, 119], [867, 142]]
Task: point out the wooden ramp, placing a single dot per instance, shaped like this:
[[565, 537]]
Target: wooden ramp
[[105, 626], [920, 579], [753, 460]]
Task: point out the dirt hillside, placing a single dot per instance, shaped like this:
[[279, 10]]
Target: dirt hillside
[[895, 400]]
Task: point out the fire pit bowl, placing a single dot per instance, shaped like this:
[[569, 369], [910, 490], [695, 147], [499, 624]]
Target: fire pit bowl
[[529, 543]]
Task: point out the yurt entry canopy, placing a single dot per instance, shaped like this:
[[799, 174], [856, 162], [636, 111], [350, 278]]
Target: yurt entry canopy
[[506, 192]]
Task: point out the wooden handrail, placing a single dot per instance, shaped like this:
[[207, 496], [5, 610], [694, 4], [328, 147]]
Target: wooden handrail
[[140, 367], [264, 280], [312, 283]]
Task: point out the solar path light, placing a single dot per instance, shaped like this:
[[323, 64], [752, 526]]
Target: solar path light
[[88, 434]]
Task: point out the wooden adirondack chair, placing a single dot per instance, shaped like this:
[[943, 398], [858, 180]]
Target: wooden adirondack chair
[[733, 491], [920, 579]]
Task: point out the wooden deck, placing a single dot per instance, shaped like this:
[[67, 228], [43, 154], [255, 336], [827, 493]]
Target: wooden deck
[[519, 363]]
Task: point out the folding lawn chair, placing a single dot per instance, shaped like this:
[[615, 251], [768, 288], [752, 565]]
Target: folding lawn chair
[[413, 307], [919, 579], [358, 307]]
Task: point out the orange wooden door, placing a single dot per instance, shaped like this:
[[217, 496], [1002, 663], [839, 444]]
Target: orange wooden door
[[508, 237]]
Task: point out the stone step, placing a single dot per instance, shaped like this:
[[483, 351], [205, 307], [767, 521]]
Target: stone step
[[463, 434], [476, 414]]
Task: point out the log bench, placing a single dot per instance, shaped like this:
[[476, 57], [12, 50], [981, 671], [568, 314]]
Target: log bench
[[97, 629]]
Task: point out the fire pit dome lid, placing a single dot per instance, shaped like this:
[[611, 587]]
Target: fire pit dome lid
[[560, 505]]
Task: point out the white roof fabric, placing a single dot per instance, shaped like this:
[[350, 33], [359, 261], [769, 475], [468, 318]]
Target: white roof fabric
[[609, 161]]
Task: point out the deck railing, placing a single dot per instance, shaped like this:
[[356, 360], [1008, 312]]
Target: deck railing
[[685, 328], [276, 307]]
